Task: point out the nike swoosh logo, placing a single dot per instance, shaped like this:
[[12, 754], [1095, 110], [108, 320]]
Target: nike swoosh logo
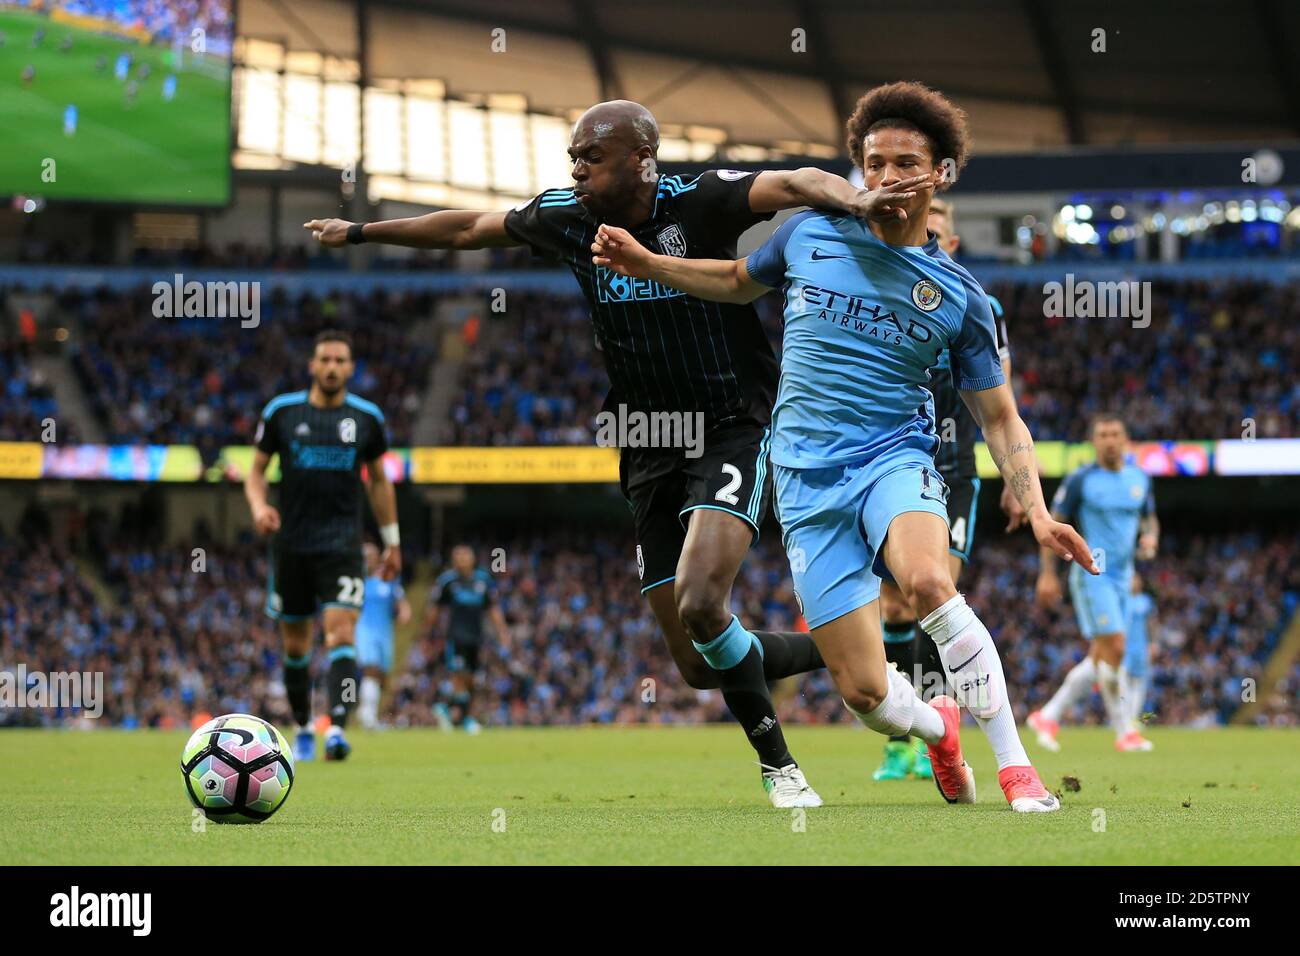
[[816, 256], [958, 668]]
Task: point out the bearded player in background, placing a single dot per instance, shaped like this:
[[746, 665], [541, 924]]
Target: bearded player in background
[[324, 436]]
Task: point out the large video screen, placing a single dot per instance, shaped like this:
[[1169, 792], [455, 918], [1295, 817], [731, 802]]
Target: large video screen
[[116, 100]]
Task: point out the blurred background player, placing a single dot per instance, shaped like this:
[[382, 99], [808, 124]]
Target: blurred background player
[[1113, 502], [469, 593], [1137, 648], [385, 604], [907, 646], [324, 436]]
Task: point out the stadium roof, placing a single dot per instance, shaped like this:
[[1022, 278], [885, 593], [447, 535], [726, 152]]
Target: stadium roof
[[1025, 70]]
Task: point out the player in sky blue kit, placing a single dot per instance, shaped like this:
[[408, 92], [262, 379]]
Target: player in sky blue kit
[[907, 646], [869, 308], [385, 604], [1113, 503], [1137, 647]]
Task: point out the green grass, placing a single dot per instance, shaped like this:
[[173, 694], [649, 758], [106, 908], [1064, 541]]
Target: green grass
[[150, 151], [651, 796]]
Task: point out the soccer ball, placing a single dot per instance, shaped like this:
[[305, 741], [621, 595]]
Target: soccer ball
[[237, 769]]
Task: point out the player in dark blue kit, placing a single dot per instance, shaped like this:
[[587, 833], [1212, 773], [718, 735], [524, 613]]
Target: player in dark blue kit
[[323, 437], [464, 595], [669, 352], [869, 309]]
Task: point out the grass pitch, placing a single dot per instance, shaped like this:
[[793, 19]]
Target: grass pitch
[[653, 796], [148, 151]]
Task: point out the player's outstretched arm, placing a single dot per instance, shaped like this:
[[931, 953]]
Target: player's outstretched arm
[[776, 189], [1012, 448], [445, 229], [719, 280]]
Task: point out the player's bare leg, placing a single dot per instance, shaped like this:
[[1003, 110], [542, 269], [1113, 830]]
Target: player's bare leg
[[912, 651], [1046, 722], [297, 683], [916, 553], [716, 544], [885, 700], [340, 627], [899, 634], [693, 668], [1108, 657]]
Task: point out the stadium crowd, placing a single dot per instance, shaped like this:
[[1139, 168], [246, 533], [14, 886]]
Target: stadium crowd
[[174, 641], [35, 248], [170, 20], [532, 382], [534, 375], [28, 398], [538, 382], [205, 381]]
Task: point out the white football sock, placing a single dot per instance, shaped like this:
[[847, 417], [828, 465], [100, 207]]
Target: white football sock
[[1137, 697], [965, 644], [1108, 681], [1076, 686], [903, 712], [368, 706]]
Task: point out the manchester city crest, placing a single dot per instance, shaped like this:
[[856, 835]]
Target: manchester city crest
[[926, 296]]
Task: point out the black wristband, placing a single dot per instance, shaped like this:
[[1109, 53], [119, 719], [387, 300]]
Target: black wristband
[[355, 235]]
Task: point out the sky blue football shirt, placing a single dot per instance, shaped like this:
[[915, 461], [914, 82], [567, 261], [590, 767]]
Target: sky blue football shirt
[[865, 325]]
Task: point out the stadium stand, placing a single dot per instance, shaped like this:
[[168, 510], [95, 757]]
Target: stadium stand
[[583, 643], [535, 376], [204, 382]]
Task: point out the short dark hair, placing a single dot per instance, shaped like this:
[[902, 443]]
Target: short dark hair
[[333, 335], [1100, 417], [910, 105]]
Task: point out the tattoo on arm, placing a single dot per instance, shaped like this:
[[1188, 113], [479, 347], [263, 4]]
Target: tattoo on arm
[[1014, 450], [1020, 486]]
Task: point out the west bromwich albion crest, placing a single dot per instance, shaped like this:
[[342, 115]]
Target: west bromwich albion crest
[[672, 242], [347, 431]]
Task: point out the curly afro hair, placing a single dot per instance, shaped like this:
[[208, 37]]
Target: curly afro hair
[[909, 105]]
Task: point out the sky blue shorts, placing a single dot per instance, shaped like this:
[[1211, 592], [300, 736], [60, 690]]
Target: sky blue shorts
[[1137, 656], [834, 521], [374, 649], [1101, 600]]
